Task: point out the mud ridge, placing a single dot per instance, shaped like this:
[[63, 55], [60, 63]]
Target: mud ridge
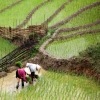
[[56, 12], [61, 30], [44, 45], [77, 33], [66, 20], [31, 13], [72, 65]]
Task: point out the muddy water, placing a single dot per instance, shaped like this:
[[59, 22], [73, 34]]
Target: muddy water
[[9, 83]]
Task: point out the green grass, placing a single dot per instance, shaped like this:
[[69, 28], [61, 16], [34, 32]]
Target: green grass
[[73, 7], [18, 13], [46, 11], [84, 18], [59, 86], [95, 27], [71, 47], [54, 85], [5, 3], [5, 47]]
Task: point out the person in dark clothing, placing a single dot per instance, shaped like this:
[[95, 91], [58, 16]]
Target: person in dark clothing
[[33, 69]]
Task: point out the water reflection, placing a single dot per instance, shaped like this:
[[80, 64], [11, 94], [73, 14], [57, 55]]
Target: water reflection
[[9, 83]]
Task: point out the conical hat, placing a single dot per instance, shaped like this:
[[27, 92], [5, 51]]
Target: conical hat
[[27, 70]]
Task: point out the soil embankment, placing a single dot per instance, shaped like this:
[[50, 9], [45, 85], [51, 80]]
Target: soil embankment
[[72, 65]]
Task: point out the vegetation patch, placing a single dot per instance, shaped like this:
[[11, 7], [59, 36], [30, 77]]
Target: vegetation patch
[[18, 64], [71, 47], [61, 86], [5, 3], [5, 47], [93, 54], [60, 54]]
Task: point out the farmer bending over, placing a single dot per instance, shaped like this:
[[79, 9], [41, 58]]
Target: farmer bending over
[[21, 74], [33, 68]]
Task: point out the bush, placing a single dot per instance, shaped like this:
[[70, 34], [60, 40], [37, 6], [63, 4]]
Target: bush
[[51, 31], [93, 52], [18, 64]]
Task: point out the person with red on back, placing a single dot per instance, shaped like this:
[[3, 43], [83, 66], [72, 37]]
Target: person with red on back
[[21, 74]]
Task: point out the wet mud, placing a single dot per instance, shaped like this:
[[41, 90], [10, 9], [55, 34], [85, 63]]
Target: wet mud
[[8, 83]]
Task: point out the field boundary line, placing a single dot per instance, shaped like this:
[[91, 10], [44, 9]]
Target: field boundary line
[[66, 20], [31, 13], [10, 6], [61, 30], [56, 12]]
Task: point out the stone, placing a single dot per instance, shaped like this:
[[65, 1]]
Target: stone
[[2, 74]]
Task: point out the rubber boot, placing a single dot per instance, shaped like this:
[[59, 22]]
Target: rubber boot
[[17, 86]]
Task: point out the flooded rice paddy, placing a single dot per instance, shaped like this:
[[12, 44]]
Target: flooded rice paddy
[[9, 82]]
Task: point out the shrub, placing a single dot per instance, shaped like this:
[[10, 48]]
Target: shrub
[[18, 64], [51, 31], [93, 52]]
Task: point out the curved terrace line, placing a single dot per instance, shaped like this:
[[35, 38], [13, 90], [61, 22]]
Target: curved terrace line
[[56, 12], [44, 45], [76, 34], [10, 6], [66, 20], [61, 30], [31, 13], [69, 64]]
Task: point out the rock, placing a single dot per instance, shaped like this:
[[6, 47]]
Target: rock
[[12, 68], [2, 74]]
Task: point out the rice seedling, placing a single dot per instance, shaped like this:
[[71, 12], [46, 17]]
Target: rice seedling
[[17, 13], [5, 3], [4, 45], [58, 86], [85, 17], [62, 88], [42, 14], [55, 85], [72, 47], [79, 30], [73, 7]]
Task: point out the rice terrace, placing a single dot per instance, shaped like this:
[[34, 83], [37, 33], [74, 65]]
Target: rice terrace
[[63, 36]]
